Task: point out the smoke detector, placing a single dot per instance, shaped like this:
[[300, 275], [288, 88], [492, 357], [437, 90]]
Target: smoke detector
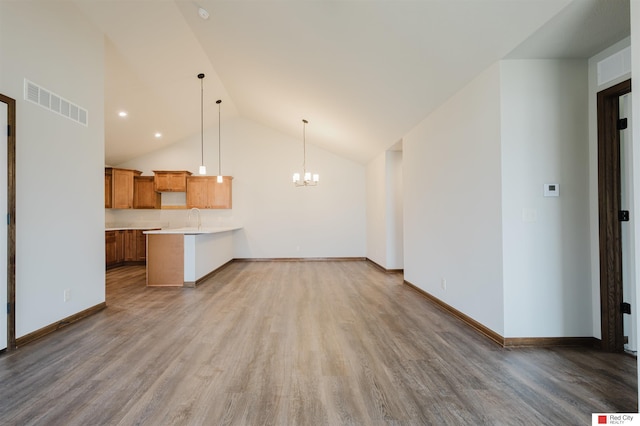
[[203, 13]]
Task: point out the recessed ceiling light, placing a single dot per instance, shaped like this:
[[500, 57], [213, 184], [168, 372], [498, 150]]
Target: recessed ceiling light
[[158, 135], [123, 113], [203, 13]]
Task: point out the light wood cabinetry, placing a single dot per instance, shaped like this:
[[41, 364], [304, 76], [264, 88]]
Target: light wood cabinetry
[[141, 246], [125, 246], [204, 192], [171, 180], [114, 247], [130, 246], [144, 193], [108, 191], [118, 187]]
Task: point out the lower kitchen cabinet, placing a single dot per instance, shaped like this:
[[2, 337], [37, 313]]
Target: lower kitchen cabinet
[[114, 248], [141, 246], [125, 247]]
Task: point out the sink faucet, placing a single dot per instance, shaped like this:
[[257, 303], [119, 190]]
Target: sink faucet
[[197, 212]]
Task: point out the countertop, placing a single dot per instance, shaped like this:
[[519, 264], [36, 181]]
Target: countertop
[[195, 231], [129, 228]]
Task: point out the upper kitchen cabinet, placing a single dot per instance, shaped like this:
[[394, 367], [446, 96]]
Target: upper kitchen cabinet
[[171, 181], [108, 185], [118, 187], [204, 192], [144, 193]]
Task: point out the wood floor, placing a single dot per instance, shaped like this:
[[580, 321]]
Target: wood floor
[[296, 343]]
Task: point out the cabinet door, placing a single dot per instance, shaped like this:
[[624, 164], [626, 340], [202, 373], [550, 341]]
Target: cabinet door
[[119, 246], [122, 181], [108, 189], [144, 194], [122, 189], [171, 181], [110, 247], [130, 245], [141, 246], [221, 194], [114, 247], [204, 192], [198, 191]]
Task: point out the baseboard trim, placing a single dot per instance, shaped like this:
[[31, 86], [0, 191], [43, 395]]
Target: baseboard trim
[[521, 342], [126, 263], [487, 332], [196, 283], [382, 268], [508, 342], [299, 259], [34, 335]]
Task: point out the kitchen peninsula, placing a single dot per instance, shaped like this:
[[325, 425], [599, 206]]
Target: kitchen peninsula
[[183, 257]]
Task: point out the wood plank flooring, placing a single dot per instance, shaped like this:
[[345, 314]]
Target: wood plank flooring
[[296, 343]]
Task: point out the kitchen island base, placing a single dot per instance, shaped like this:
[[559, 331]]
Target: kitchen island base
[[186, 257], [165, 260]]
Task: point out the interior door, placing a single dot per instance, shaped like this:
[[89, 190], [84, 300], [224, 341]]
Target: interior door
[[4, 139], [612, 220], [626, 231]]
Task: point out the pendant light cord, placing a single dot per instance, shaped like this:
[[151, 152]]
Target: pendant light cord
[[219, 149], [304, 147], [201, 77]]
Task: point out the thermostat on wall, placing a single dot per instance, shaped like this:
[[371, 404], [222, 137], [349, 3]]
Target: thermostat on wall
[[551, 190]]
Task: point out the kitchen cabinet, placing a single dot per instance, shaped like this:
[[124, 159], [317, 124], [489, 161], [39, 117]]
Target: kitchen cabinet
[[170, 180], [114, 248], [108, 184], [123, 247], [144, 193], [130, 246], [204, 192], [141, 246], [119, 187]]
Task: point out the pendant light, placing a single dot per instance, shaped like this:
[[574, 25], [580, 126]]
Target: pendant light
[[203, 169], [219, 178], [308, 179]]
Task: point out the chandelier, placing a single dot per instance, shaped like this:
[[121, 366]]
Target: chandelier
[[308, 179]]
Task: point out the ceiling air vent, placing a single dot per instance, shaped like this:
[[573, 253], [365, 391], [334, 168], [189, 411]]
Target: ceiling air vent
[[56, 103]]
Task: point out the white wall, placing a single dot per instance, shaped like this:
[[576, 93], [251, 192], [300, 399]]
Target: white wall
[[452, 202], [547, 288], [384, 210], [394, 206], [279, 219], [59, 175], [377, 210], [594, 243]]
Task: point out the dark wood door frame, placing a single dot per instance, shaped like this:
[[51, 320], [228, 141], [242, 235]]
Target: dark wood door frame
[[11, 231], [608, 208]]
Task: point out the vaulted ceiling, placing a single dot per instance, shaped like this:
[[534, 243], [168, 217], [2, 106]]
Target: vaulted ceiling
[[362, 72]]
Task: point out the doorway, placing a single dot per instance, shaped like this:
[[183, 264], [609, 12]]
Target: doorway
[[8, 232], [612, 182]]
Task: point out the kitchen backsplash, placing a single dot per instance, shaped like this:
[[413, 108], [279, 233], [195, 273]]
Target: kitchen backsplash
[[168, 218]]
